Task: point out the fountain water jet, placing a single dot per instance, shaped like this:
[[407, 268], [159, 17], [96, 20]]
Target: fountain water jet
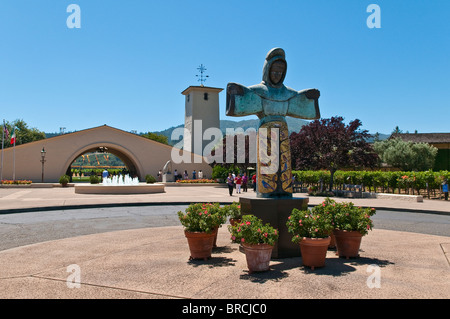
[[119, 184], [118, 180]]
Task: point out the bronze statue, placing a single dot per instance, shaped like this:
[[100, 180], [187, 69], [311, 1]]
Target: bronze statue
[[272, 101]]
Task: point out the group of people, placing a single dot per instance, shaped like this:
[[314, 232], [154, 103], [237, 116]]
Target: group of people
[[185, 175], [240, 182]]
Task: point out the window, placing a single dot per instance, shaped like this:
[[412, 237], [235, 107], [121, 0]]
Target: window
[[205, 96]]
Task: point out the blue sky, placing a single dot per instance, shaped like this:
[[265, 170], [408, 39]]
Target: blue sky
[[130, 60]]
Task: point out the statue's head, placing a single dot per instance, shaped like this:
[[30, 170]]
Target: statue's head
[[275, 67]]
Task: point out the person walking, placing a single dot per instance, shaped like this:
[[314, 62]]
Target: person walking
[[254, 182], [230, 183], [194, 174], [244, 182], [238, 182]]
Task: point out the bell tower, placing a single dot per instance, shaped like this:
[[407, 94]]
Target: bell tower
[[201, 113]]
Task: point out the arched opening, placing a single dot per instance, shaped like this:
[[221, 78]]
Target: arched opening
[[95, 159]]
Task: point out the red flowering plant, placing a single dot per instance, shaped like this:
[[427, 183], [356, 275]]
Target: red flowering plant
[[406, 181], [253, 231], [202, 217], [347, 216], [309, 224], [196, 181]]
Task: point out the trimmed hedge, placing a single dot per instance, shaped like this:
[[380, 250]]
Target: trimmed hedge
[[377, 181]]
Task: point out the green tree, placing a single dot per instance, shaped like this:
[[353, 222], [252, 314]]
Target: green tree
[[407, 156], [156, 137], [24, 134], [331, 144], [397, 130]]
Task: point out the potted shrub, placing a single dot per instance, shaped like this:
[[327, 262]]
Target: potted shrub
[[64, 180], [351, 223], [257, 239], [328, 206], [201, 222], [221, 217], [94, 179], [233, 212], [150, 179], [312, 231]]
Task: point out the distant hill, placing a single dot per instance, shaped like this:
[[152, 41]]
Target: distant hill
[[381, 137], [294, 125]]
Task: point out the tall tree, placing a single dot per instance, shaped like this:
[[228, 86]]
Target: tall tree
[[24, 134], [397, 130], [156, 137], [406, 155], [331, 144]]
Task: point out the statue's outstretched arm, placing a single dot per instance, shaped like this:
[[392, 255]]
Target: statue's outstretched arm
[[305, 105], [241, 101]]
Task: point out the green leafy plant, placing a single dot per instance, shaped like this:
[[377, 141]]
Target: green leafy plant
[[251, 230], [94, 179], [233, 210], [376, 181], [64, 180], [150, 179], [202, 217], [310, 224], [347, 216]]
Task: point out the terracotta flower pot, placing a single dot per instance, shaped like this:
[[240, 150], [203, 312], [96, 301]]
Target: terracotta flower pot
[[215, 231], [332, 244], [258, 256], [347, 243], [314, 251], [200, 244]]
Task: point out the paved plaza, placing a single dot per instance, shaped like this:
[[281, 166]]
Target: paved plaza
[[153, 263]]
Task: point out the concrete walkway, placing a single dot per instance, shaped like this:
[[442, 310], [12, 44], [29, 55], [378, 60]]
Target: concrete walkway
[[28, 199], [154, 262]]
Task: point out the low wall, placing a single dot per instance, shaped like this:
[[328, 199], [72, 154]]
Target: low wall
[[411, 198], [120, 189]]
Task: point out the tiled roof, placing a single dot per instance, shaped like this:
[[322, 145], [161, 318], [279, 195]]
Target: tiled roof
[[431, 138]]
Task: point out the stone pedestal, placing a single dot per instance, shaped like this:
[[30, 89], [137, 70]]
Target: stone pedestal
[[168, 177], [276, 211]]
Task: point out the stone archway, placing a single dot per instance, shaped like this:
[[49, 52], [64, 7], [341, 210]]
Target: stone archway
[[130, 161], [141, 155]]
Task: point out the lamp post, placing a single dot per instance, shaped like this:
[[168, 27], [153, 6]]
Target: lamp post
[[43, 161]]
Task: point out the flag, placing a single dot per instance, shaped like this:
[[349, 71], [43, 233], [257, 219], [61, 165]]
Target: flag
[[13, 137], [5, 131]]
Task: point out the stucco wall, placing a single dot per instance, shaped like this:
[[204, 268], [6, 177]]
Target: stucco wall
[[146, 155]]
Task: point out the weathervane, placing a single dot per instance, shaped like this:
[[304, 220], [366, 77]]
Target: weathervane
[[202, 78]]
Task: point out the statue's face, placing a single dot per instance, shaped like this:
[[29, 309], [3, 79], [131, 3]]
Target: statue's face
[[276, 71]]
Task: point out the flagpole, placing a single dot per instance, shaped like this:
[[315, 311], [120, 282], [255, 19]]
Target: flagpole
[[14, 156], [3, 142]]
